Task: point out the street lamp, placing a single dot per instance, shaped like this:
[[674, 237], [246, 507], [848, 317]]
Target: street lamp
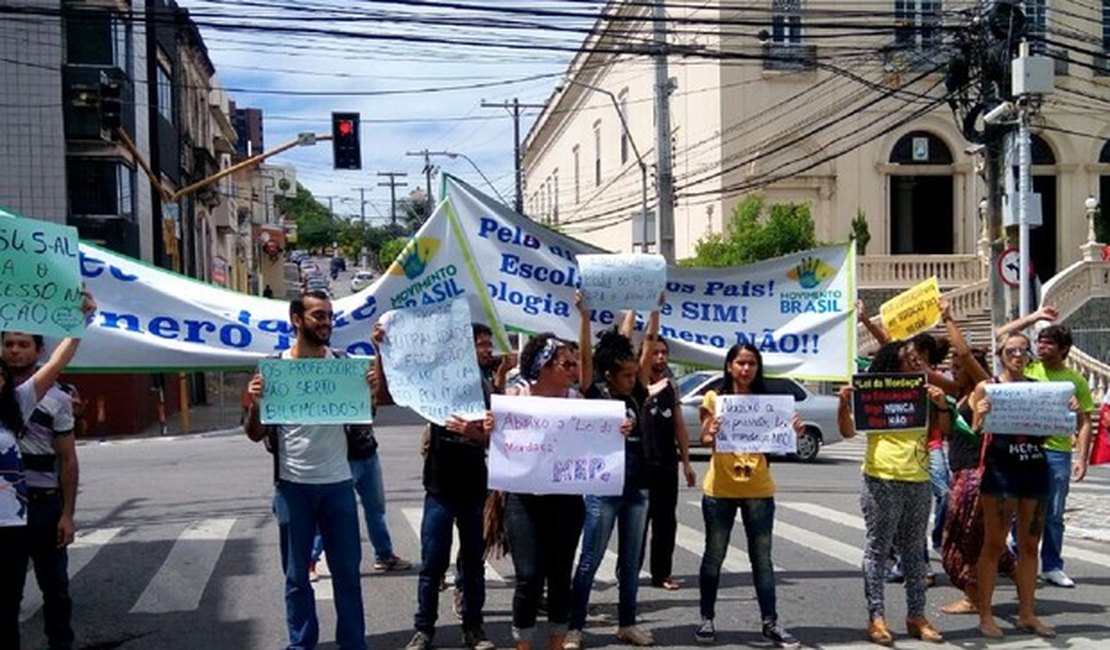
[[454, 155], [1092, 249], [628, 134]]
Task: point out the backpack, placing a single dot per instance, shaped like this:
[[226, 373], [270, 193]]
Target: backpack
[[361, 443]]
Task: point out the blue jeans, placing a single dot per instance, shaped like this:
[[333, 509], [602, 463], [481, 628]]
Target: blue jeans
[[941, 483], [440, 513], [367, 476], [1059, 481], [759, 517], [301, 508], [629, 511]]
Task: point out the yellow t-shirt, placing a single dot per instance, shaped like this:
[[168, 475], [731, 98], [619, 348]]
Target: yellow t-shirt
[[733, 475], [901, 456], [1037, 370]]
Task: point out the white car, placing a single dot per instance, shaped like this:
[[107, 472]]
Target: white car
[[361, 280]]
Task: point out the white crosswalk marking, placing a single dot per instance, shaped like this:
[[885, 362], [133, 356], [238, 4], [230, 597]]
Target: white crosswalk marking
[[415, 515], [822, 512], [179, 583], [824, 545], [736, 560], [607, 570], [734, 552], [83, 549]]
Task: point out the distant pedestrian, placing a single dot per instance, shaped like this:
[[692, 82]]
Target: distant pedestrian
[[33, 525], [895, 502], [739, 482], [313, 489], [455, 485]]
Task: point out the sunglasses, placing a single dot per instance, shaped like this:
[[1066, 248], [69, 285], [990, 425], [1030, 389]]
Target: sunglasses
[[1016, 352]]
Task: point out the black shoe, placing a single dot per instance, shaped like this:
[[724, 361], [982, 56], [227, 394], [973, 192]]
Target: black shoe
[[420, 641], [772, 631], [705, 632], [476, 640]]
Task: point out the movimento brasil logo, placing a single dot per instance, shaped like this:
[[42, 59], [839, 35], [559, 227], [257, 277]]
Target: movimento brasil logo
[[810, 272], [414, 259]]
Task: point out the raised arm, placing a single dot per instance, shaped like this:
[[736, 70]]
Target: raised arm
[[1047, 313], [876, 329], [647, 348], [253, 423], [628, 323], [844, 420], [49, 372], [959, 344], [379, 385], [585, 350]]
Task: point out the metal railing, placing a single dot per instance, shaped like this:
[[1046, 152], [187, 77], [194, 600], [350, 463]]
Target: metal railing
[[904, 271]]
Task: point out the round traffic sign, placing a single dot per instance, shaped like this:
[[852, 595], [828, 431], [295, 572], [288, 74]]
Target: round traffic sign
[[1009, 264]]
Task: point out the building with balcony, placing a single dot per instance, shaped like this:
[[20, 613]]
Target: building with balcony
[[838, 105]]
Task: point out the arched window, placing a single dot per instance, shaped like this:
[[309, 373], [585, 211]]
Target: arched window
[[920, 148], [1104, 155], [1042, 153]]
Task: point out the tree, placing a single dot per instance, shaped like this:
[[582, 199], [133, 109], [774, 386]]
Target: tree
[[390, 250], [861, 232], [317, 227], [757, 232]]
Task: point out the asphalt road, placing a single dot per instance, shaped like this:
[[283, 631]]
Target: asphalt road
[[177, 549]]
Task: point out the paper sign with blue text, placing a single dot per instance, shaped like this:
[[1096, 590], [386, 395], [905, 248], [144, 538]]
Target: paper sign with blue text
[[622, 281], [40, 278], [430, 363], [1032, 408], [545, 445], [756, 424], [315, 391]]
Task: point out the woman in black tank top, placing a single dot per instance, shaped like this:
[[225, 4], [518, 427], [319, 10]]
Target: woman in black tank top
[[1015, 481]]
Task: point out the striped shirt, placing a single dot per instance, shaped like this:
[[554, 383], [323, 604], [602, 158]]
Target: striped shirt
[[52, 417]]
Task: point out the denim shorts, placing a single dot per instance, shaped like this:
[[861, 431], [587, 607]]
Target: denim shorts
[[1027, 480]]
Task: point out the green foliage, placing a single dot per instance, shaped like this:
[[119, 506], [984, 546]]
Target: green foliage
[[757, 232], [861, 232], [390, 250], [317, 227]]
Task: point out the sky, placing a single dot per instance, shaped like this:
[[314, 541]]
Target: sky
[[266, 58]]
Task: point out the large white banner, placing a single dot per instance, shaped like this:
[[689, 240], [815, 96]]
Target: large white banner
[[796, 309], [512, 272], [544, 445]]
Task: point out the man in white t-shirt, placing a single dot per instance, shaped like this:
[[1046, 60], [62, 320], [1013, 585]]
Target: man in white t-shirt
[[313, 489]]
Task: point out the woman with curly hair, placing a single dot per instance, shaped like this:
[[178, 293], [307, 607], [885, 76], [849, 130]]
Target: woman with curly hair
[[895, 501], [620, 376]]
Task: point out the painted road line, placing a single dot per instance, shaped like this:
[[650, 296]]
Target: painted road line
[[733, 551], [83, 549], [833, 548], [180, 581]]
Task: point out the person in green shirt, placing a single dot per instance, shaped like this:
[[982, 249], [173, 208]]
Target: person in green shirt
[[1053, 343]]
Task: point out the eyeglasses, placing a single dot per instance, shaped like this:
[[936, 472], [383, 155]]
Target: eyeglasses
[[1016, 352]]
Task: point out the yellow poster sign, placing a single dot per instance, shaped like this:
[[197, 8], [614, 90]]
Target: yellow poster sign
[[914, 310]]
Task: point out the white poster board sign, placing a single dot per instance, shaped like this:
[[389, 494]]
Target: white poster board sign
[[1032, 408], [545, 445], [622, 281], [756, 424], [430, 363]]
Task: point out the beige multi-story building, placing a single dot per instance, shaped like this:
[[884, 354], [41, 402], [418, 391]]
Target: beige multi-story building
[[834, 104]]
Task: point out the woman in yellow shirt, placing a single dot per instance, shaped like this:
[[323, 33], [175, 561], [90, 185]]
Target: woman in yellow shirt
[[741, 482], [895, 501]]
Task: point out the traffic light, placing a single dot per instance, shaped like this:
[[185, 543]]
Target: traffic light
[[111, 105], [345, 140]]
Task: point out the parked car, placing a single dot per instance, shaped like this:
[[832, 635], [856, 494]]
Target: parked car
[[361, 280], [316, 283], [818, 412]]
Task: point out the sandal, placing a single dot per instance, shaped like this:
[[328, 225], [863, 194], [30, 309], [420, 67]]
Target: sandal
[[1037, 627], [670, 584], [961, 606]]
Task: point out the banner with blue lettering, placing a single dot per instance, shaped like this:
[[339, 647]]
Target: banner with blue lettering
[[513, 272]]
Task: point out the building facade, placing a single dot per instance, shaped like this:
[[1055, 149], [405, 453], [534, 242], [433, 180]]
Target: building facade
[[838, 105]]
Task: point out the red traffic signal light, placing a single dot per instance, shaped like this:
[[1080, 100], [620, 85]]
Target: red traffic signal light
[[346, 148]]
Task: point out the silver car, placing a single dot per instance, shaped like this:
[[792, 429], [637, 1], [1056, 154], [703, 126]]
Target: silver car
[[818, 412]]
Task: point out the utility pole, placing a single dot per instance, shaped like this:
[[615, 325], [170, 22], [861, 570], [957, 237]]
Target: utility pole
[[428, 169], [514, 109], [664, 222], [364, 252], [393, 184]]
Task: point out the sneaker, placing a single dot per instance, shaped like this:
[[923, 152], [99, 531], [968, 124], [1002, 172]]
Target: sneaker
[[573, 640], [777, 634], [1058, 578], [634, 635], [476, 640], [393, 563], [457, 602], [312, 575], [705, 632], [420, 641]]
